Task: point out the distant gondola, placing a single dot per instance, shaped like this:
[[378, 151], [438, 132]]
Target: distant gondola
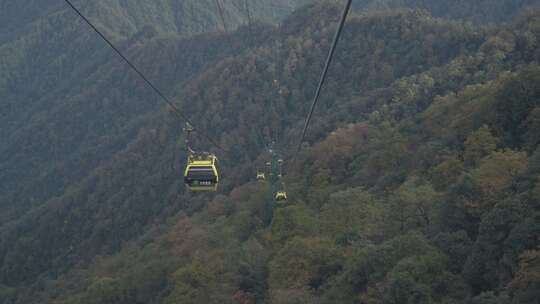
[[281, 196], [261, 176]]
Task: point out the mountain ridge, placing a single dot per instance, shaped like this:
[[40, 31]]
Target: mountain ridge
[[127, 233]]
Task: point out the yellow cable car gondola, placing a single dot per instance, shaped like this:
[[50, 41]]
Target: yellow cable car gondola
[[261, 176], [202, 174], [281, 196]]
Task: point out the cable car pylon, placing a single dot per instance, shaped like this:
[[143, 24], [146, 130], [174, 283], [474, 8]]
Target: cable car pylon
[[275, 178]]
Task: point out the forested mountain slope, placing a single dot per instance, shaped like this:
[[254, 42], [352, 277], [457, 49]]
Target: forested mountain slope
[[479, 11], [127, 17], [48, 68], [420, 182]]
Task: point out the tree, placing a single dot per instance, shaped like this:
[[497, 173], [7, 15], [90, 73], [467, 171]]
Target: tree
[[490, 297], [351, 215], [367, 269], [457, 246], [387, 158], [446, 173], [403, 289], [478, 145], [413, 205], [423, 279], [107, 291], [496, 176], [190, 284], [304, 263], [294, 296], [525, 286], [504, 230], [535, 194], [293, 221], [518, 96], [531, 135]]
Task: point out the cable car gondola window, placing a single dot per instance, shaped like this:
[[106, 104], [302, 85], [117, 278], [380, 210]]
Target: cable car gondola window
[[201, 173]]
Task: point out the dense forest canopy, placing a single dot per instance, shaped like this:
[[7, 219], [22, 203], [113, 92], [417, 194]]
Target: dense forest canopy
[[478, 11], [419, 181]]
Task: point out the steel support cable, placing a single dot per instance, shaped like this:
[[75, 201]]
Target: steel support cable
[[249, 21], [275, 88], [324, 73], [276, 85], [222, 16], [141, 75], [224, 22]]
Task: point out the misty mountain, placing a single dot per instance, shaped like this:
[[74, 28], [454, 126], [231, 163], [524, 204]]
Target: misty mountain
[[418, 181]]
